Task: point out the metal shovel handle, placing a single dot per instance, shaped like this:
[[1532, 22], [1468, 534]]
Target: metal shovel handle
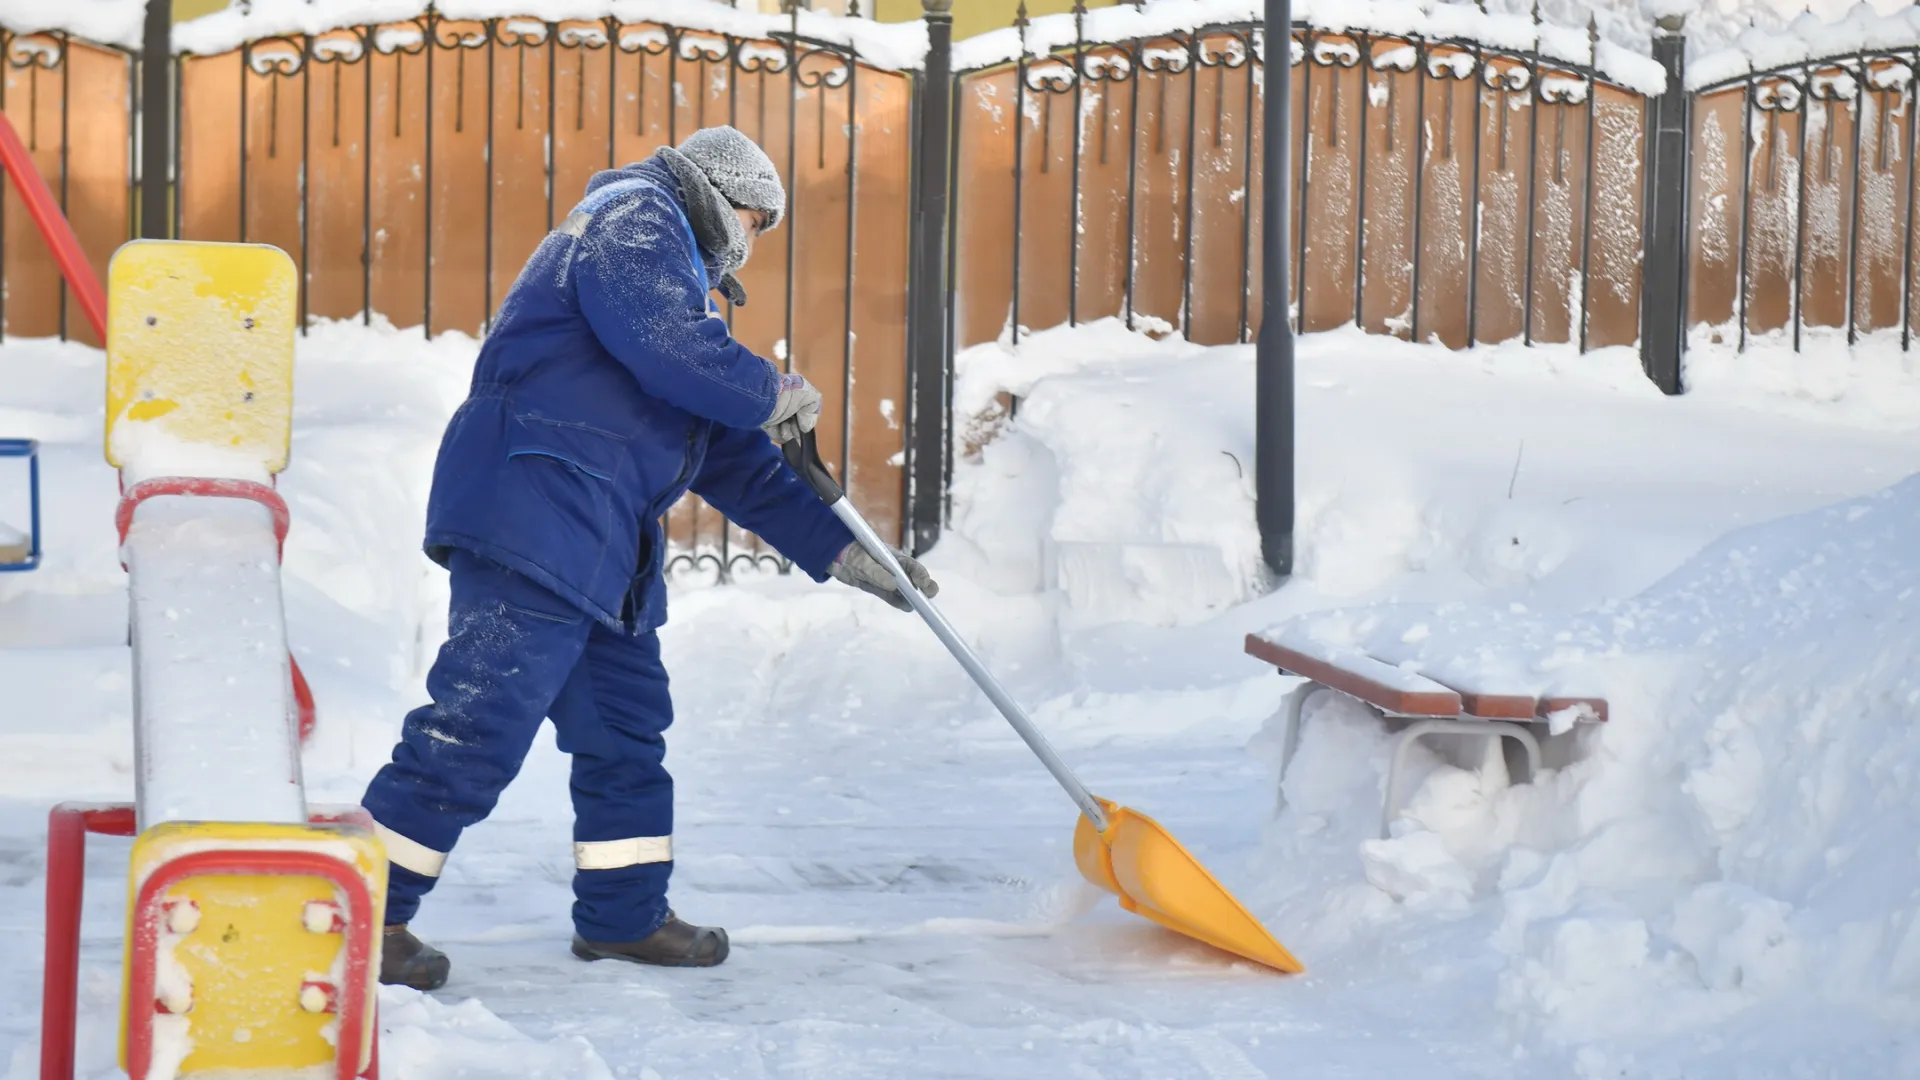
[[804, 456]]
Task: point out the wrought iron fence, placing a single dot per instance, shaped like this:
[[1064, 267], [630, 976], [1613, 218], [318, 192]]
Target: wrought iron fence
[[1802, 198], [1441, 188], [410, 168], [1408, 149]]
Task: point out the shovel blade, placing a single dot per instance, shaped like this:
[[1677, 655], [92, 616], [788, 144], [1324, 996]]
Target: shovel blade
[[1155, 877]]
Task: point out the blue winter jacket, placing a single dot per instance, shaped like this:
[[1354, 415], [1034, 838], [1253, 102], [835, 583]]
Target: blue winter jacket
[[605, 391]]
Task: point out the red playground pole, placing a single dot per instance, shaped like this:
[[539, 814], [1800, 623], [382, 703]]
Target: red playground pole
[[53, 226]]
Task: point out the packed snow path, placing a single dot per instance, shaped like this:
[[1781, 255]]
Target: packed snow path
[[894, 866]]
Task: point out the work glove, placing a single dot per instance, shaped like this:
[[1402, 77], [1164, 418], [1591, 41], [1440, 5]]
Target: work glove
[[855, 567], [795, 411]]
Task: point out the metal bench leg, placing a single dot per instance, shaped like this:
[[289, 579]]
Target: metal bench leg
[[1290, 738], [1488, 729]]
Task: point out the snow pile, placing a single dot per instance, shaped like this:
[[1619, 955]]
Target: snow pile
[[1124, 481], [1875, 383], [1738, 837], [1133, 505], [424, 1039]]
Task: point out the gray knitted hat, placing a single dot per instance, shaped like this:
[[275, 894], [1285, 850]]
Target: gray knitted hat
[[741, 171]]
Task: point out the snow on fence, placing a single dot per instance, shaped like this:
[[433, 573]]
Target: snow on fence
[[1132, 188], [1803, 191]]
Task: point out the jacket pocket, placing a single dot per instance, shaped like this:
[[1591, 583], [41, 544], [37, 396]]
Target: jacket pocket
[[585, 450], [577, 472]]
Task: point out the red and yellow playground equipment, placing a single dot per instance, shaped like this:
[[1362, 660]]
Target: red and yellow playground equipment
[[253, 928]]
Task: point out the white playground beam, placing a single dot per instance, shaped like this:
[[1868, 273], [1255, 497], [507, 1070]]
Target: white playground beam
[[212, 738]]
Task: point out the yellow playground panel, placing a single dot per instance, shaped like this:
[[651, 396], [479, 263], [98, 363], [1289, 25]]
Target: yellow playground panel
[[200, 354], [251, 949]]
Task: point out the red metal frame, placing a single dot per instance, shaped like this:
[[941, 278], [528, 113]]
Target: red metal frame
[[213, 487], [67, 827], [303, 707], [46, 214]]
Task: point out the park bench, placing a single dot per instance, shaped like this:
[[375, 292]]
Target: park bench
[[1418, 704]]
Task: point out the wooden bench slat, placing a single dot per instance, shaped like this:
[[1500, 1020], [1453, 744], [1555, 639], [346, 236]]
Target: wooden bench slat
[[1553, 704], [1488, 705], [1354, 673], [1357, 674]]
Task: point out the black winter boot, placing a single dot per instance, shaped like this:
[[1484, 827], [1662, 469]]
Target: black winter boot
[[405, 960], [675, 944]]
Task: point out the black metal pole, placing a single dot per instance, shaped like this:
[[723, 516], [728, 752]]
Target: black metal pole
[[1663, 304], [1273, 378], [156, 121], [927, 449]]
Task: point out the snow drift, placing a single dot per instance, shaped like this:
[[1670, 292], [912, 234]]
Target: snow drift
[[1740, 834]]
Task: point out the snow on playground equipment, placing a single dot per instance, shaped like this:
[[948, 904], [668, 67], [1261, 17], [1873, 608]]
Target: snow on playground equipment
[[21, 551], [254, 920], [1115, 847], [1418, 704]]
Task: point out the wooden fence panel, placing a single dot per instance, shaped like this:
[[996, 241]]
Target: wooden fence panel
[[1772, 222], [520, 204], [208, 191], [1330, 151], [1047, 225], [1560, 206], [1500, 266], [397, 194], [99, 161], [337, 177], [583, 140], [983, 206], [273, 201], [37, 81], [1159, 275], [1390, 132], [876, 420], [1223, 122], [1826, 214], [1101, 232], [459, 243], [1715, 209], [1884, 173], [1613, 305], [1446, 209]]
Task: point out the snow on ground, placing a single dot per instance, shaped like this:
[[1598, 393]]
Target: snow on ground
[[1721, 882]]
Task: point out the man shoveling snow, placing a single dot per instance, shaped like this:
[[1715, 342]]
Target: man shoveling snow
[[606, 390]]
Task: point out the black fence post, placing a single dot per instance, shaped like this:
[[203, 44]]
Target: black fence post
[[1663, 274], [928, 365], [1273, 351], [156, 127]]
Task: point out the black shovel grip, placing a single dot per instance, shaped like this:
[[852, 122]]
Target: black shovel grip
[[804, 455]]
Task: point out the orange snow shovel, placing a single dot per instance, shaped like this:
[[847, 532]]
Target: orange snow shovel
[[1125, 852]]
